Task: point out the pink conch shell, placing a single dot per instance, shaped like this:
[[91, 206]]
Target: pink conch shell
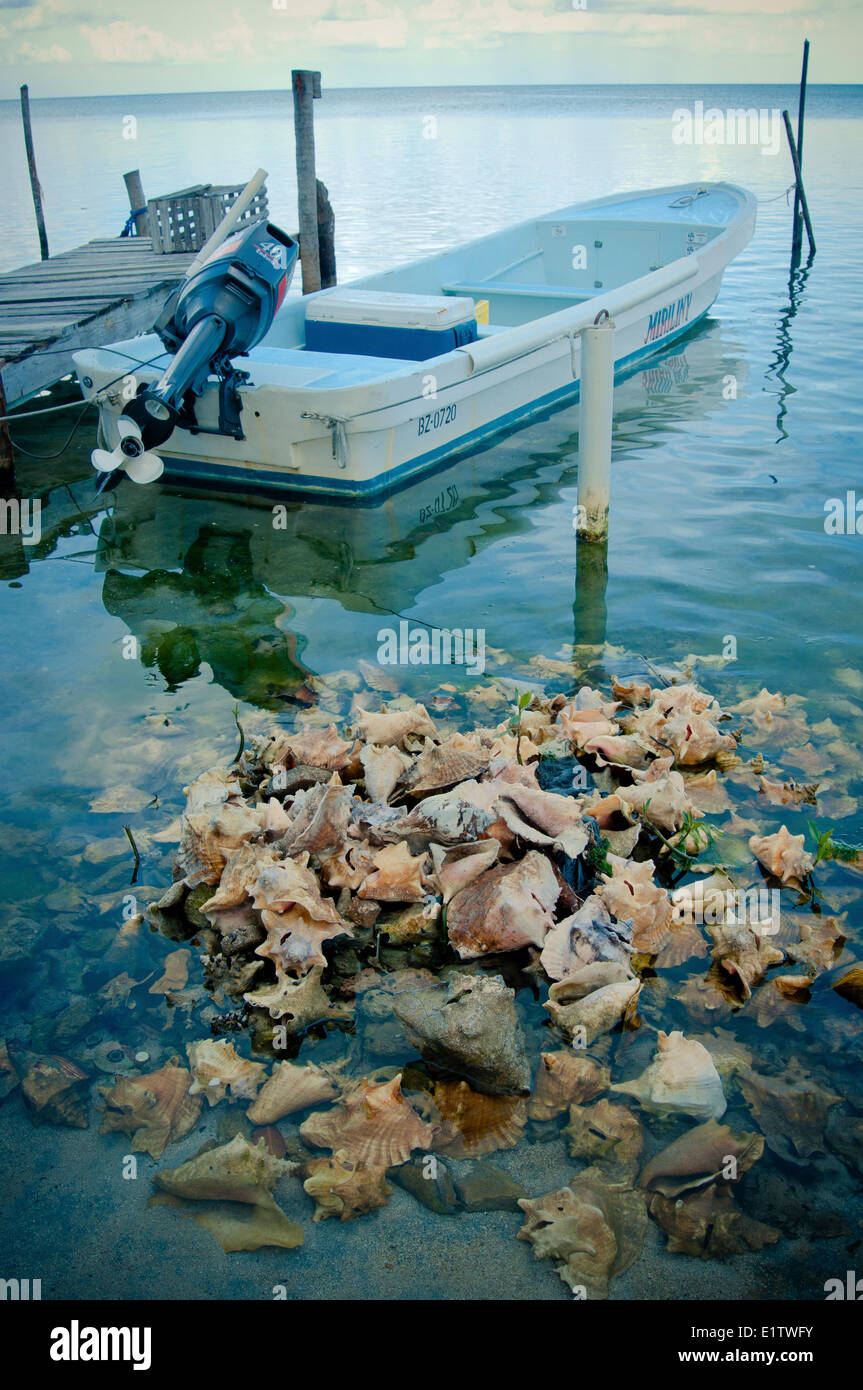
[[543, 818], [396, 875], [297, 919], [459, 865], [384, 766], [216, 1066], [783, 855], [374, 1125], [681, 1080], [564, 1079], [291, 1088], [397, 727], [507, 907], [315, 748], [631, 894]]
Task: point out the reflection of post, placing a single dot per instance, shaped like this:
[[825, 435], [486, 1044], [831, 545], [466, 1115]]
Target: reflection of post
[[589, 609], [7, 460]]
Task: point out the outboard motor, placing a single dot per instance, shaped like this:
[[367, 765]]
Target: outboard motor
[[220, 311]]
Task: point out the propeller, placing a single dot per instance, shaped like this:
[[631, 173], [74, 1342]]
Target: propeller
[[130, 455]]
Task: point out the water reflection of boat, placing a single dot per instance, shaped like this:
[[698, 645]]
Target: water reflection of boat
[[194, 574]]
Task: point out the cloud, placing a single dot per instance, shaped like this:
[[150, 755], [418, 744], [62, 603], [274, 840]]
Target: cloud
[[122, 41]]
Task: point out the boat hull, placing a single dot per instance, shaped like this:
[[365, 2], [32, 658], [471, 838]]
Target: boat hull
[[367, 439]]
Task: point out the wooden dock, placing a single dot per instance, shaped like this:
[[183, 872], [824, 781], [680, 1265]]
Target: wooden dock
[[109, 289]]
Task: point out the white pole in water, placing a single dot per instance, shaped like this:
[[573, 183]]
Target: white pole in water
[[230, 219], [594, 430]]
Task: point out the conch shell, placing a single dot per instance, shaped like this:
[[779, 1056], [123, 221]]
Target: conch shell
[[384, 767], [783, 855], [708, 1153], [299, 1003], [216, 1066], [662, 801], [588, 936], [396, 876], [564, 1079], [459, 865], [291, 1088], [608, 1136], [592, 1231], [597, 1013], [156, 1109], [709, 1223], [396, 727], [234, 1172], [54, 1088], [475, 1124], [681, 1080], [216, 820], [543, 818], [343, 1188], [743, 953], [507, 907], [630, 894], [298, 920], [374, 1126], [315, 748], [443, 765]]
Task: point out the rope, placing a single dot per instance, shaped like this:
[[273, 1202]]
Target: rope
[[129, 228], [784, 194]]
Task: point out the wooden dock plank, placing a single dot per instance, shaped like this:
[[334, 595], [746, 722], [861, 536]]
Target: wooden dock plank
[[109, 289]]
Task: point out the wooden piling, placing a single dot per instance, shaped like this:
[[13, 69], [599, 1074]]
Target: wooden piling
[[35, 186], [7, 460], [137, 201], [326, 238], [797, 233], [306, 86], [799, 177]]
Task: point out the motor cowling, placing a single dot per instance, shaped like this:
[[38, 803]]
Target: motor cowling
[[220, 311]]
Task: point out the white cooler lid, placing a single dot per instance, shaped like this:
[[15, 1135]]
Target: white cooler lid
[[387, 310]]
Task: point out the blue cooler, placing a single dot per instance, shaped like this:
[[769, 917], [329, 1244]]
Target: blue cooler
[[372, 323]]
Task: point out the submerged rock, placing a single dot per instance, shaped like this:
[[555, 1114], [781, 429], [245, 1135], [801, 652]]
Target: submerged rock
[[487, 1188], [468, 1024]]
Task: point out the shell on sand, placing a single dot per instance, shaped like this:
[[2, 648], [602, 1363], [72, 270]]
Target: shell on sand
[[700, 1156], [343, 1188], [591, 1230], [374, 1125], [297, 1004], [468, 1024], [607, 1135], [791, 1110], [505, 908], [588, 935], [54, 1088], [401, 728], [234, 1172], [475, 1124], [564, 1079], [216, 1065], [291, 1088], [597, 1013], [156, 1109], [681, 1080], [459, 865], [396, 875], [709, 1223], [783, 855]]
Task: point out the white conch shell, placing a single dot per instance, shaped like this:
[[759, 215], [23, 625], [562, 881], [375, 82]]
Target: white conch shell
[[681, 1080]]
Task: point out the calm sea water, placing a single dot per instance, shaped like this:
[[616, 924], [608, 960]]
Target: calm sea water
[[725, 454]]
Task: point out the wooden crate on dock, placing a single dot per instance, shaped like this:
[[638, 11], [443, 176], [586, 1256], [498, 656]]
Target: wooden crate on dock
[[184, 220]]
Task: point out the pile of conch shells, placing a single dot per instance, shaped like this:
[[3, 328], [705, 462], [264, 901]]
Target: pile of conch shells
[[383, 903]]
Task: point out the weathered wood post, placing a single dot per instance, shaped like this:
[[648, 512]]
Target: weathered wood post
[[35, 186], [307, 86], [799, 177], [326, 238], [797, 234], [594, 430], [137, 201]]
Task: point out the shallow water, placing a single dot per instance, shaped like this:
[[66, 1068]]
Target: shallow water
[[717, 532]]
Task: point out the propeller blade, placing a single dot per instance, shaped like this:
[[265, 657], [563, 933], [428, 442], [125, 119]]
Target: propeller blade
[[125, 427], [106, 460], [145, 469]]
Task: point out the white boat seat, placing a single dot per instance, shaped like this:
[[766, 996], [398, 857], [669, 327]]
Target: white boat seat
[[534, 291]]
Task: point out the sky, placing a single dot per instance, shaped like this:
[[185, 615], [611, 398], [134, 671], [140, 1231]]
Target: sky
[[95, 47]]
